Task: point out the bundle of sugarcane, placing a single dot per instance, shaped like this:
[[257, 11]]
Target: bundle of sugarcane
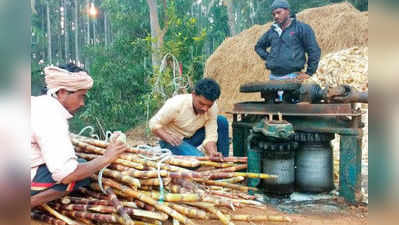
[[140, 188]]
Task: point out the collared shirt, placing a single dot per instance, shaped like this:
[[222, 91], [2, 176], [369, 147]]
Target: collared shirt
[[50, 141], [177, 116]]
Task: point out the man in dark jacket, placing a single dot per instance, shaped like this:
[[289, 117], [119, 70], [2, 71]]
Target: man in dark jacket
[[288, 40]]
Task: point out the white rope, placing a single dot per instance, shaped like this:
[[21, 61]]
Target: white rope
[[178, 82], [100, 179], [91, 133], [160, 155]]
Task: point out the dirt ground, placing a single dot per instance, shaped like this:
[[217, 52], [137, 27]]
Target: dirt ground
[[354, 215]]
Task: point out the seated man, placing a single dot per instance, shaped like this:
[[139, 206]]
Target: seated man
[[188, 124], [55, 169]]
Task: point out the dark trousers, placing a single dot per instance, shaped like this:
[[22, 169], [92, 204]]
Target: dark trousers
[[189, 145]]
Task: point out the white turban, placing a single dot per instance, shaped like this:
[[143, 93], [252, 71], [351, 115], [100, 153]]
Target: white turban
[[57, 78]]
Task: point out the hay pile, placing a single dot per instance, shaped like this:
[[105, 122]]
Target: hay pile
[[348, 66], [337, 27]]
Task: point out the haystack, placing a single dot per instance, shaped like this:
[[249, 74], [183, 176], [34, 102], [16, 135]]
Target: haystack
[[337, 26]]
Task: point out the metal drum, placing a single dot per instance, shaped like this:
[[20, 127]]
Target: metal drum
[[314, 162], [279, 159]]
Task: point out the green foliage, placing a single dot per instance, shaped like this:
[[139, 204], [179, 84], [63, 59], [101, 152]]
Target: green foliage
[[119, 85], [124, 92]]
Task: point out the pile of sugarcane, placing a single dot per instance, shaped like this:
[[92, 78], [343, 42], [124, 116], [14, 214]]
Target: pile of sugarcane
[[137, 188]]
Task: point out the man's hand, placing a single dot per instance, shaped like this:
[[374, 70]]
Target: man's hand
[[211, 150], [172, 139], [302, 76], [115, 148]]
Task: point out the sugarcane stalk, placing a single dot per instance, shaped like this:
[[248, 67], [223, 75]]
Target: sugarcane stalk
[[211, 208], [224, 219], [146, 188], [147, 214], [225, 170], [152, 164], [92, 216], [233, 180], [48, 219], [92, 141], [172, 197], [87, 147], [59, 215], [255, 175], [147, 199], [215, 159], [246, 196], [143, 205], [133, 182], [145, 174], [220, 201], [119, 167], [95, 186], [76, 200], [119, 207], [223, 194], [257, 218], [126, 156], [186, 184], [96, 195], [82, 207], [185, 175], [188, 211], [155, 181], [85, 201], [84, 221], [184, 163], [116, 161], [216, 164], [228, 185], [261, 218], [174, 188]]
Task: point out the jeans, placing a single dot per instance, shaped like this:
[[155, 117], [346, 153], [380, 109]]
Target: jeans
[[286, 76], [189, 145]]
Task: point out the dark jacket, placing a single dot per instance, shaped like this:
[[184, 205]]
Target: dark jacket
[[287, 52]]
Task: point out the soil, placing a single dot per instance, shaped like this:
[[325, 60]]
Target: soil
[[354, 215]]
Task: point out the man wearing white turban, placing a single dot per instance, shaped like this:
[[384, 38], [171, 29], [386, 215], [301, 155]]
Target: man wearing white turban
[[55, 169]]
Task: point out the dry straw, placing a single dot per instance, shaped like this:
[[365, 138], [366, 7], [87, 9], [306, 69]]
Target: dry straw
[[337, 27]]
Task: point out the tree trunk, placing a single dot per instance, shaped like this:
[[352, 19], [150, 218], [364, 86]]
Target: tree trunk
[[49, 49], [88, 24], [66, 31], [105, 29], [155, 34], [94, 32], [230, 14], [76, 32]]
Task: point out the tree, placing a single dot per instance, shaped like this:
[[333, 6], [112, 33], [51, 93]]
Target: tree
[[76, 23], [66, 31], [230, 13], [49, 48]]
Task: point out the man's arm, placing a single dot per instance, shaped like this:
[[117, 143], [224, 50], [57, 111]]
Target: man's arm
[[52, 135], [212, 150], [172, 139], [311, 48], [261, 46], [163, 117], [83, 170], [211, 135]]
